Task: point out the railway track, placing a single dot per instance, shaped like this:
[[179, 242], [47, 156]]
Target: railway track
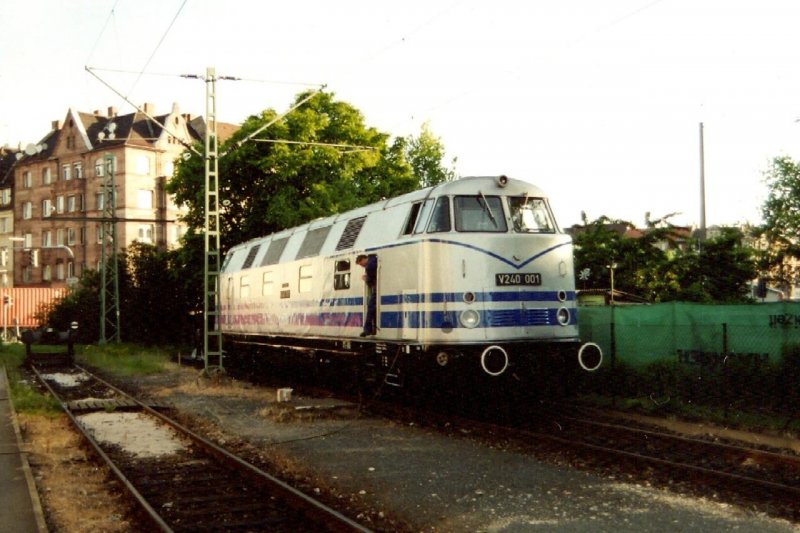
[[752, 475], [188, 483]]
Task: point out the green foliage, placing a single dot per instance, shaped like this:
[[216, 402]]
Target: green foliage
[[290, 173], [781, 227], [425, 154], [124, 359], [27, 399], [718, 271]]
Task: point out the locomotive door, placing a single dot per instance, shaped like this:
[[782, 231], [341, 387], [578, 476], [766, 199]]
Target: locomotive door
[[409, 313]]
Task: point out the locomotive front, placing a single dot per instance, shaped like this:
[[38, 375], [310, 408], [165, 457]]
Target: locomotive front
[[503, 281]]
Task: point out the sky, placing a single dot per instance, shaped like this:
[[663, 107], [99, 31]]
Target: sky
[[597, 103]]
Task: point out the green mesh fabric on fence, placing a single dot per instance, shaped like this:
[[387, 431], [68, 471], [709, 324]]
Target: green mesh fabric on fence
[[638, 335]]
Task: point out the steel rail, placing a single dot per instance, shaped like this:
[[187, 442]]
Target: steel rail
[[663, 462], [143, 503], [753, 452], [327, 514]]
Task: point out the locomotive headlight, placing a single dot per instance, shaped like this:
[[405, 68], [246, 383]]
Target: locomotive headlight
[[562, 315], [469, 318]]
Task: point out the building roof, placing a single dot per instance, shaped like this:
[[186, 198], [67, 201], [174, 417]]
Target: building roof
[[8, 157], [100, 131]]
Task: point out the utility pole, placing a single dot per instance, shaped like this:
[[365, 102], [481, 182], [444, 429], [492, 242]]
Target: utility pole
[[702, 189], [212, 336], [109, 274]]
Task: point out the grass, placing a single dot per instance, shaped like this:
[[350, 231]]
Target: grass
[[119, 359], [124, 359], [27, 399]]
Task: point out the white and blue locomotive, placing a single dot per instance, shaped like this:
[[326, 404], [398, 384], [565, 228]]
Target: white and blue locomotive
[[472, 270]]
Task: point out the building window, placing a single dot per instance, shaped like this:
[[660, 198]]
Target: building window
[[70, 269], [78, 168], [27, 274], [100, 200], [46, 176], [66, 172], [26, 180], [82, 235], [47, 239], [70, 236], [5, 196], [60, 237], [98, 167], [143, 165], [27, 210], [145, 233], [82, 202], [144, 199], [5, 225], [71, 203], [28, 243], [47, 273], [59, 204], [60, 270], [99, 234], [47, 207]]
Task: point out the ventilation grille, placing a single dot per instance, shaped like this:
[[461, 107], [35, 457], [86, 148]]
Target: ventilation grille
[[313, 242], [274, 251], [351, 232], [251, 256]]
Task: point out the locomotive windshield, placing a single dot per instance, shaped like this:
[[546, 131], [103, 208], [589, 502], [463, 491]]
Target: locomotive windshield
[[479, 213], [530, 215]]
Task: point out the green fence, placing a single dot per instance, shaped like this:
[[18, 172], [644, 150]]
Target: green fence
[[737, 360], [704, 335]]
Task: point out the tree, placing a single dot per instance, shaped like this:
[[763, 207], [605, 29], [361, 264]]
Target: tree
[[718, 271], [781, 227], [425, 154], [292, 173]]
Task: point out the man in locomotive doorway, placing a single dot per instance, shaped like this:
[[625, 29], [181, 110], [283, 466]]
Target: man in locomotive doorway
[[370, 277]]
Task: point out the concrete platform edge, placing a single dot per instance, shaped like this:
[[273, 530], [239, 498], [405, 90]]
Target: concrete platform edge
[[38, 512]]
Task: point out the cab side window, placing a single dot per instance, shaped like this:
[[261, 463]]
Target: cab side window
[[440, 220]]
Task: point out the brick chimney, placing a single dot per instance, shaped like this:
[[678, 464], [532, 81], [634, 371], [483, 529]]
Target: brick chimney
[[149, 108], [55, 125], [112, 111]]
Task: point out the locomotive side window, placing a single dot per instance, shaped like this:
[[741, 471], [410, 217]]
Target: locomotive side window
[[341, 275], [267, 284], [304, 279], [412, 218], [440, 220], [422, 219], [530, 215], [479, 213]]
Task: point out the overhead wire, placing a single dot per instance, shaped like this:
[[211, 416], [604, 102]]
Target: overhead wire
[[102, 31], [155, 50]]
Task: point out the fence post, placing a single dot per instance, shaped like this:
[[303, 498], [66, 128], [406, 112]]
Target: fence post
[[724, 337], [613, 355]]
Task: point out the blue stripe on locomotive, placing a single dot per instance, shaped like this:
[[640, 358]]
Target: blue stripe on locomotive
[[426, 319]]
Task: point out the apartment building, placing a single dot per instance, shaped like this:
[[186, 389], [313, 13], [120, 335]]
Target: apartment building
[[59, 202], [8, 156]]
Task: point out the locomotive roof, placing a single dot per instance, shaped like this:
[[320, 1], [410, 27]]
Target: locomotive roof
[[488, 185]]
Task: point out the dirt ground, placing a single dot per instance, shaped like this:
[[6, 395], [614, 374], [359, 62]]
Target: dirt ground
[[77, 494]]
